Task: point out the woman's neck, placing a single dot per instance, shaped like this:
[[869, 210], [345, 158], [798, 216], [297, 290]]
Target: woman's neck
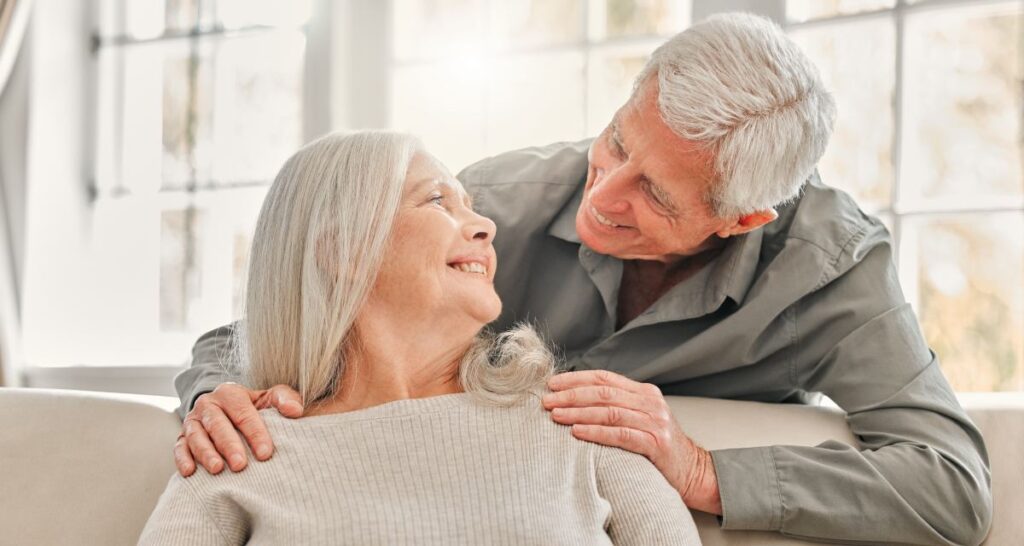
[[387, 366]]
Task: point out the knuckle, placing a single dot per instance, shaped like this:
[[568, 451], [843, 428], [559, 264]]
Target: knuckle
[[603, 376], [614, 416], [248, 420], [605, 393], [624, 435], [653, 389]]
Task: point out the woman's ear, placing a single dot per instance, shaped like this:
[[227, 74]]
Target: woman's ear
[[748, 222]]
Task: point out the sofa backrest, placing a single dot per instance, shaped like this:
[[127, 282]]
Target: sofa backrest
[[87, 468]]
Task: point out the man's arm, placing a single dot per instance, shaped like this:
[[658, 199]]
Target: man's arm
[[920, 474], [209, 367], [215, 411]]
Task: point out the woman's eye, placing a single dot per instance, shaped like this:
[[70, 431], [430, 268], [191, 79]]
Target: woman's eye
[[437, 200]]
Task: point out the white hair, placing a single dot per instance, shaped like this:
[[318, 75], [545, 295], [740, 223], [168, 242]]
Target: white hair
[[319, 243], [738, 85]]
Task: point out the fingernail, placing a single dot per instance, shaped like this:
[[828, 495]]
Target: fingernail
[[237, 460], [294, 406], [557, 412], [263, 451]]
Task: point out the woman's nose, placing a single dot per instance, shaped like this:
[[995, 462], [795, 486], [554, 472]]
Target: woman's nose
[[480, 228]]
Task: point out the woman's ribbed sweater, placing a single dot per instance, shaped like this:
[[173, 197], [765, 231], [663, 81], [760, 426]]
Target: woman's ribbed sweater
[[438, 470]]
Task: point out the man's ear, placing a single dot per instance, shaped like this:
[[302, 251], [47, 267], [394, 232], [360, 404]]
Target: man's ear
[[748, 222]]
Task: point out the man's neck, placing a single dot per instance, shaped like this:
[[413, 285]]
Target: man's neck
[[644, 282]]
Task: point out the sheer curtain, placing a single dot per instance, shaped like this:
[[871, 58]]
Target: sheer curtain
[[13, 137]]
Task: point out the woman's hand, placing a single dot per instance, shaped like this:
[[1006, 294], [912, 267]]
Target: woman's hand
[[209, 435], [607, 408]]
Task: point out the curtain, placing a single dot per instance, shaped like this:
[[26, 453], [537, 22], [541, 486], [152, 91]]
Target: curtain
[[13, 138]]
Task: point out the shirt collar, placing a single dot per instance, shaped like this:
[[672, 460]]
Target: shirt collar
[[733, 272], [730, 275], [564, 224]]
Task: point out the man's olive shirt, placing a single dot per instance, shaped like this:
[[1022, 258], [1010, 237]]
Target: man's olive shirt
[[810, 303]]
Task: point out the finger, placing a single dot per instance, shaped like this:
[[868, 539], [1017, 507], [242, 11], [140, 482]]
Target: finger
[[222, 431], [201, 447], [625, 438], [611, 416], [250, 424], [183, 458], [580, 397], [586, 378], [286, 400]]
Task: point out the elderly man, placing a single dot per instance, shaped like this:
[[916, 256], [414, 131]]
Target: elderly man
[[691, 250]]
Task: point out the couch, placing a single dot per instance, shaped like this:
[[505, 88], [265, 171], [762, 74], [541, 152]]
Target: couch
[[87, 468]]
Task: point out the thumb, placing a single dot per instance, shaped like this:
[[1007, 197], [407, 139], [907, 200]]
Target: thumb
[[286, 400]]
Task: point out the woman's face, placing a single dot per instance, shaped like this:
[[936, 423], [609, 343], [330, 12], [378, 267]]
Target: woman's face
[[440, 262]]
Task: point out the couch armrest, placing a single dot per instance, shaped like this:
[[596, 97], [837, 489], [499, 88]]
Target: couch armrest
[[1000, 416]]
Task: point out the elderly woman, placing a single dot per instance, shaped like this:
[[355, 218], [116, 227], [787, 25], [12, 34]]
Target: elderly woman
[[369, 286]]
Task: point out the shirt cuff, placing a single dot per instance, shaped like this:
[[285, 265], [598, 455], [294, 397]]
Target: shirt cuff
[[748, 484]]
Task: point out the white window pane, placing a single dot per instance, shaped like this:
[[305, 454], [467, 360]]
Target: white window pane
[[623, 18], [437, 29], [966, 275], [962, 99], [611, 74], [231, 112], [534, 100], [258, 115], [804, 10], [140, 157], [243, 13], [857, 61], [180, 273], [188, 82], [443, 105], [517, 24], [143, 19]]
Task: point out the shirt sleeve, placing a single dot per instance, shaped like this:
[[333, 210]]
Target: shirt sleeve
[[210, 367], [645, 509], [181, 518], [920, 472]]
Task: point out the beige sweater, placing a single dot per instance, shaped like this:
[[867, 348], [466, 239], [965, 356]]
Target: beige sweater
[[438, 470]]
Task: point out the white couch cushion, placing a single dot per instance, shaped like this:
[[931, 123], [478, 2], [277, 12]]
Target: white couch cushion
[[87, 468]]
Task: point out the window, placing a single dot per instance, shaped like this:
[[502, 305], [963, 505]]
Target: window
[[198, 103], [478, 77], [929, 136]]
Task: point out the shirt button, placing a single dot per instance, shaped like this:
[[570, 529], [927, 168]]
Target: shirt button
[[588, 253]]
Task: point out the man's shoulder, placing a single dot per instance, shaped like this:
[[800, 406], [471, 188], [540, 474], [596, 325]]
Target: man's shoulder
[[831, 222], [524, 190], [559, 163]]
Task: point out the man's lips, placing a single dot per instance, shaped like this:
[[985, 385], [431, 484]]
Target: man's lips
[[604, 220]]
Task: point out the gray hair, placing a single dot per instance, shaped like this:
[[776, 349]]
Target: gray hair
[[319, 243], [738, 85]]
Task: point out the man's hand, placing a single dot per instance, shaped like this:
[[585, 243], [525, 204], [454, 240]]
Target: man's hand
[[208, 432], [607, 408]]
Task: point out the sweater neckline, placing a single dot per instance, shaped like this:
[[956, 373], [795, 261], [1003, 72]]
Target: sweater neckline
[[394, 408]]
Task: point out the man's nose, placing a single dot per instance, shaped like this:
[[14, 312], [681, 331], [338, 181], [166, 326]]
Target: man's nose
[[608, 193]]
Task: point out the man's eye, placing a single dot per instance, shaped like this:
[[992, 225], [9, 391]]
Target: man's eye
[[655, 198]]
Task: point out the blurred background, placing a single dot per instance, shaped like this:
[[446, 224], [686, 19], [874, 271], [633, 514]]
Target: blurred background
[[138, 137]]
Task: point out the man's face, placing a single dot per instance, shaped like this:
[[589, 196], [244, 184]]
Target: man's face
[[644, 197]]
